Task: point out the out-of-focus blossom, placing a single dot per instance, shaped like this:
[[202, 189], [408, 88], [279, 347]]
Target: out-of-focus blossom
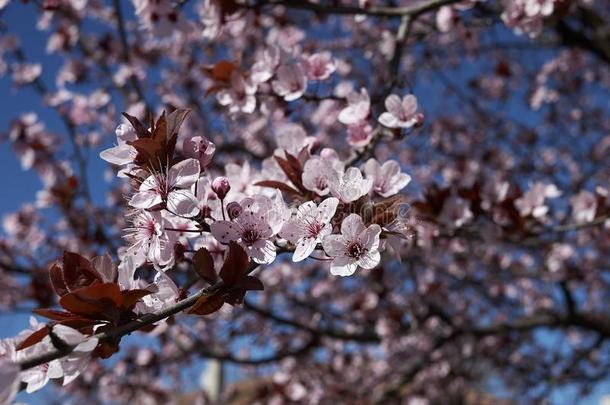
[[199, 148], [456, 212], [290, 82], [584, 207], [358, 108], [387, 178], [400, 113], [533, 201], [349, 186], [240, 96], [319, 66]]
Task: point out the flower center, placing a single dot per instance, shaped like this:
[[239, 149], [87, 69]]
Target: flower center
[[321, 183], [249, 236], [313, 229], [355, 250]]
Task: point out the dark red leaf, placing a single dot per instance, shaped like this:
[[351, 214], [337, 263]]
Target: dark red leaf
[[34, 338], [207, 305], [141, 131], [235, 265], [57, 279], [131, 297], [77, 271], [279, 185], [174, 121], [250, 283], [204, 265], [100, 301], [293, 175]]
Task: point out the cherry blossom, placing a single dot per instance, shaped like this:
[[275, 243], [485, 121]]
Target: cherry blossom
[[387, 178], [240, 96], [584, 207], [356, 246], [251, 231], [291, 81], [199, 148], [148, 240], [123, 153], [309, 225], [318, 171], [400, 113], [170, 189], [349, 186], [358, 108], [533, 201], [319, 66]]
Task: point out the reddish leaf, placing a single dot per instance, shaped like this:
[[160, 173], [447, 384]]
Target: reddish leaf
[[235, 265], [160, 130], [174, 121], [131, 297], [141, 131], [100, 301], [279, 185], [250, 283], [77, 272], [57, 279], [53, 314], [34, 338], [293, 175], [148, 151], [204, 265], [222, 71], [207, 305]]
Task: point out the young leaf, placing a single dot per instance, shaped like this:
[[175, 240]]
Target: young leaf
[[141, 131], [34, 338], [207, 305], [235, 265], [204, 265]]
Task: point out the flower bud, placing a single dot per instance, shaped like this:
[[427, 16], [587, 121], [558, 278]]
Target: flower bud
[[221, 186], [234, 210]]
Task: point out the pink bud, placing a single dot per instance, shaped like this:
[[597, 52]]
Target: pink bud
[[234, 210], [221, 186]]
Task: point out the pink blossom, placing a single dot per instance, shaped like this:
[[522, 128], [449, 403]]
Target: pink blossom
[[319, 66], [199, 148], [533, 201], [387, 178], [400, 113], [170, 189], [149, 241], [356, 246], [358, 108], [251, 231], [584, 207], [359, 135], [240, 96], [309, 225], [349, 186], [317, 171], [290, 82], [266, 62], [123, 153], [455, 213]]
